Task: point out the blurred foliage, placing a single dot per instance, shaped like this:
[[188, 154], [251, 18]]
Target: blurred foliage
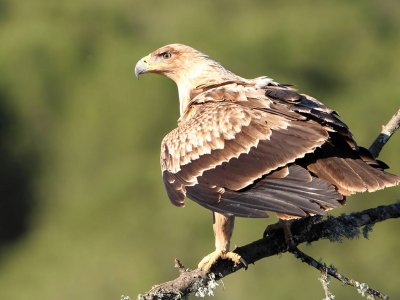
[[83, 211]]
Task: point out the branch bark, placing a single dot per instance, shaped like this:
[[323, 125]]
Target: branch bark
[[386, 133], [305, 230], [363, 288]]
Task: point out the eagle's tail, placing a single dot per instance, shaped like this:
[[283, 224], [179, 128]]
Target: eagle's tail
[[358, 172]]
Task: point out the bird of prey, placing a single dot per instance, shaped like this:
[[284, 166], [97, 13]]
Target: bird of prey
[[243, 147]]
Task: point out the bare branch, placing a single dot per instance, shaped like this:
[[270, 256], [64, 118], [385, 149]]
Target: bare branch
[[363, 288], [386, 133], [305, 230]]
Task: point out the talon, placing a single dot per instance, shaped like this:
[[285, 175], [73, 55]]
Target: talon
[[236, 258], [270, 228], [209, 261], [284, 225], [244, 263]]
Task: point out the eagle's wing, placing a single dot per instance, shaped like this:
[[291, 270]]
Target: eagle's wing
[[243, 150], [226, 146], [341, 162]]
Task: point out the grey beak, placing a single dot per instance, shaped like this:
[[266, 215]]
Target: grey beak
[[141, 67]]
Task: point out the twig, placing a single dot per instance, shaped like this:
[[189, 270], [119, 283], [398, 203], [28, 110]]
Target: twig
[[325, 285], [305, 230], [361, 287], [179, 266], [386, 133]]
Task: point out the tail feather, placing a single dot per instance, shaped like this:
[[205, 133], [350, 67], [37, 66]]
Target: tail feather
[[352, 175]]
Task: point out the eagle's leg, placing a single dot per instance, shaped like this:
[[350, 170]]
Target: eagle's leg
[[223, 228], [284, 223]]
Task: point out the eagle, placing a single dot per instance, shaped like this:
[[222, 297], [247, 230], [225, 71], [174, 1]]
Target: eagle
[[245, 147]]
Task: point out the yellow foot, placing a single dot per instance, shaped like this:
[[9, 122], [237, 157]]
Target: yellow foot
[[284, 225], [207, 262]]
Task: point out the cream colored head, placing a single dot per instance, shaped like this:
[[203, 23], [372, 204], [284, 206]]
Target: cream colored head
[[188, 67]]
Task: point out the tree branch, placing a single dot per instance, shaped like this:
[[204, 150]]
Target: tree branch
[[304, 230], [362, 288], [386, 133]]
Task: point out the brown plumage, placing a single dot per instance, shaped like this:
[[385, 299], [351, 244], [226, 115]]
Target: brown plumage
[[243, 147]]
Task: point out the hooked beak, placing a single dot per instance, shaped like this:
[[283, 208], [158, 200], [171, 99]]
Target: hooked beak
[[142, 66]]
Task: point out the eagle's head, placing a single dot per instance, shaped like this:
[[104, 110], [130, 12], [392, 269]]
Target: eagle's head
[[188, 67], [172, 60]]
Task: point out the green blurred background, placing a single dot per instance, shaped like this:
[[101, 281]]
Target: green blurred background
[[83, 212]]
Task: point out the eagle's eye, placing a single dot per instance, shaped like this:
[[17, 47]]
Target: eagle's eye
[[166, 55]]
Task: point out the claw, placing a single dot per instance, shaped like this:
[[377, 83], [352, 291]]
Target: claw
[[284, 225], [209, 261]]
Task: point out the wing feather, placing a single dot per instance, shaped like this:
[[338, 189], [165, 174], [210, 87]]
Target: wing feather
[[242, 150], [221, 139], [298, 193]]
